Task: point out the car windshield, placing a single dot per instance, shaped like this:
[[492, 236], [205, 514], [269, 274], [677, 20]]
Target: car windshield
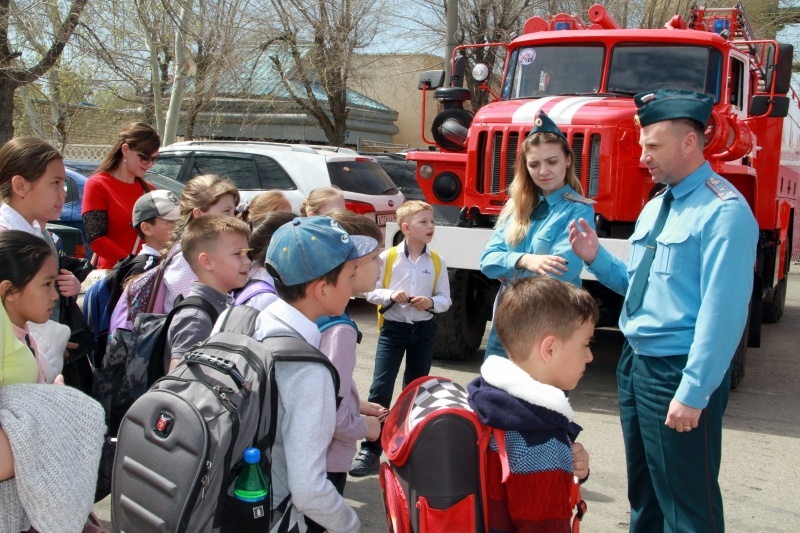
[[168, 165], [551, 70], [635, 68], [361, 176]]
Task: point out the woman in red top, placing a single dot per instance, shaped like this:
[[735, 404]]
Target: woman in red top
[[109, 195]]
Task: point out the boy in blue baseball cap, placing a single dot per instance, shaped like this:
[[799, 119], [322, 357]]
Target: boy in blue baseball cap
[[313, 261]]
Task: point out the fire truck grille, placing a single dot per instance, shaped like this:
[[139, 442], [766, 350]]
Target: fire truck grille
[[577, 153], [496, 167]]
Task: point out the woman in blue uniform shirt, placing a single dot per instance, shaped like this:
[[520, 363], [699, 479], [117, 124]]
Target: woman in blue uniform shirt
[[532, 233]]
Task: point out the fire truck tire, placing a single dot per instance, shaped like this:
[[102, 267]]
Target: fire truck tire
[[772, 310], [460, 330], [739, 357]]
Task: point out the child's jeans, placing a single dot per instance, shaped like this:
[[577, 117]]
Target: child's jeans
[[397, 339]]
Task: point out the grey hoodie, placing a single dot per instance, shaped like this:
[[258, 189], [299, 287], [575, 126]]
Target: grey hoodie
[[306, 423]]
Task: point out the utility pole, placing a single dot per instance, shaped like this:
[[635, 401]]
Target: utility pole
[[451, 23]]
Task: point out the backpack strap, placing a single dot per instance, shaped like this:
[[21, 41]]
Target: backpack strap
[[579, 504], [155, 366], [252, 288], [326, 322], [500, 440], [388, 265], [196, 301], [437, 268], [291, 348]]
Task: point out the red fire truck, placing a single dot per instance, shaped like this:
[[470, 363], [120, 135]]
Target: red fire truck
[[584, 76]]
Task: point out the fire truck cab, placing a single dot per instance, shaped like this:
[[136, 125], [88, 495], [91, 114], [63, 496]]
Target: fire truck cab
[[584, 76]]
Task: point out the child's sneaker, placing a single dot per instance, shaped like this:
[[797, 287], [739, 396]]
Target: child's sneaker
[[365, 463]]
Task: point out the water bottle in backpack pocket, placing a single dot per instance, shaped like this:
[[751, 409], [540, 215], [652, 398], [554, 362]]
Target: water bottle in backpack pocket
[[247, 509]]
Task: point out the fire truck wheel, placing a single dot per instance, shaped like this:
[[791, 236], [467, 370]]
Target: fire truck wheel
[[772, 310], [739, 357], [460, 330]]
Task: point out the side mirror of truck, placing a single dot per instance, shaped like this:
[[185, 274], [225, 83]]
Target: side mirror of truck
[[780, 71], [760, 104], [432, 79]]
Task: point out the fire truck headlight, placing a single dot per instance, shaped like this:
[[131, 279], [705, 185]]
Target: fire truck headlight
[[446, 187], [480, 72], [426, 171]]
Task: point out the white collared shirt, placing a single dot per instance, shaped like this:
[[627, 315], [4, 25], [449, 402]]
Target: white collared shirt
[[292, 317], [11, 219], [416, 278]]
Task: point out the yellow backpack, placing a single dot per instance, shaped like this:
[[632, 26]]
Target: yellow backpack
[[391, 257]]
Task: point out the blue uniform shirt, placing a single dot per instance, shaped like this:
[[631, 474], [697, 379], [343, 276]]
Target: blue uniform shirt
[[548, 235], [697, 295]]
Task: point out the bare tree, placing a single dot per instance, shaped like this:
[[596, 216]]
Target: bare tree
[[13, 48], [315, 51]]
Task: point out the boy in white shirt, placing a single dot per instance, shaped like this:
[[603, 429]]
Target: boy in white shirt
[[413, 285], [313, 263]]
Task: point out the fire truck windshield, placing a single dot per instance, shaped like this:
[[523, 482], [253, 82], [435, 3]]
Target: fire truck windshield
[[548, 70], [536, 71], [638, 67]]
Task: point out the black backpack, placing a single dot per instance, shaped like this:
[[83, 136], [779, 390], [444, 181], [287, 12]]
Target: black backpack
[[135, 359], [180, 446]]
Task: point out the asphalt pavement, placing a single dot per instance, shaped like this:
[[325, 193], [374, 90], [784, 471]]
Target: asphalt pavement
[[760, 475]]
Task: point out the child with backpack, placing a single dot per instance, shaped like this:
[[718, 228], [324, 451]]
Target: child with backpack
[[313, 262], [355, 420], [207, 194], [156, 290], [523, 397], [153, 218], [216, 248], [413, 285]]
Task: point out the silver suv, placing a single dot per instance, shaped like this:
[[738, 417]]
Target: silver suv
[[294, 169]]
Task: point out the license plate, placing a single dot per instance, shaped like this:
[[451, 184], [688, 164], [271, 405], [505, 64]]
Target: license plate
[[383, 219]]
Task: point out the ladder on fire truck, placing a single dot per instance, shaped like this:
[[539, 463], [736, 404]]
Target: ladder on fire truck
[[734, 20]]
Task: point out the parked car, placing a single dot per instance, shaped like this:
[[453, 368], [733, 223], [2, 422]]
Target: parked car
[[403, 173], [294, 169]]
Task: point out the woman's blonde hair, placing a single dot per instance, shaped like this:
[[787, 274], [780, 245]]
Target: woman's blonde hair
[[318, 198], [525, 195], [201, 192], [265, 203], [27, 157]]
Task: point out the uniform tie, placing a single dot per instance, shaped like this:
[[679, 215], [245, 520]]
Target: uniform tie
[[542, 210], [635, 295]]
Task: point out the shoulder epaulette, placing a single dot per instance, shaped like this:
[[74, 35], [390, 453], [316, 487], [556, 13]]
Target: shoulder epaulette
[[578, 198], [719, 188]]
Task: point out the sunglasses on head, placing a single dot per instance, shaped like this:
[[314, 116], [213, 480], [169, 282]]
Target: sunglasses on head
[[147, 159]]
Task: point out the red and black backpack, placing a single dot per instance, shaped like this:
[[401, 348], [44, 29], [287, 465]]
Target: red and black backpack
[[435, 477]]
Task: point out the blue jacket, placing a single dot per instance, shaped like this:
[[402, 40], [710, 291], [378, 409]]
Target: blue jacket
[[697, 295], [548, 235]]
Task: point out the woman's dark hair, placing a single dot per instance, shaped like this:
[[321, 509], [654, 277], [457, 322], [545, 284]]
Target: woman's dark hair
[[21, 257], [138, 136], [27, 157], [262, 234]]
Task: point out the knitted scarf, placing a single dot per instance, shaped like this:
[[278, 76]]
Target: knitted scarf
[[56, 434]]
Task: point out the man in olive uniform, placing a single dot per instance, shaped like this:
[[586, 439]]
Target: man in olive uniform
[[687, 284]]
